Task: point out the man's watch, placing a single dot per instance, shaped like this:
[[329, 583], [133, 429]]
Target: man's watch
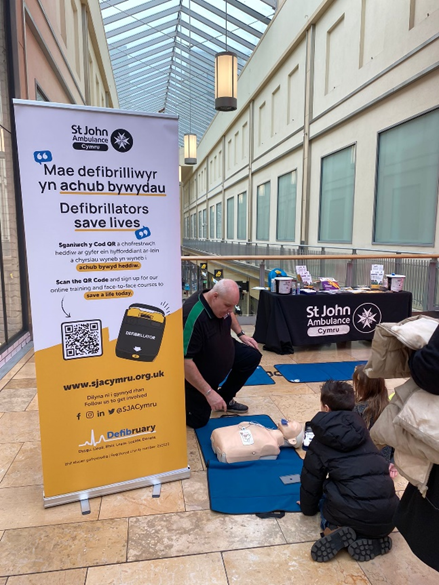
[[240, 334]]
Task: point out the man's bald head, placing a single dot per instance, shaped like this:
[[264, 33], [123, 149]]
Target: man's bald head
[[223, 297]]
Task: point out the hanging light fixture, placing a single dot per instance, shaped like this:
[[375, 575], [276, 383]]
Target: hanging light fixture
[[226, 79], [190, 140]]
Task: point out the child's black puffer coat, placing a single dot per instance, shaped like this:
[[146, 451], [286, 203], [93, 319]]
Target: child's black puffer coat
[[343, 464]]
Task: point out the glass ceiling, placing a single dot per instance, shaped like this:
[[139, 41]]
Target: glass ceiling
[[163, 52]]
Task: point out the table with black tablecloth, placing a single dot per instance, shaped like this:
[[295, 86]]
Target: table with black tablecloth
[[284, 321]]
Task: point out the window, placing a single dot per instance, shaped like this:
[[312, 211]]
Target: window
[[212, 222], [263, 212], [230, 218], [286, 207], [204, 231], [200, 224], [242, 216], [219, 221], [407, 180], [337, 196]]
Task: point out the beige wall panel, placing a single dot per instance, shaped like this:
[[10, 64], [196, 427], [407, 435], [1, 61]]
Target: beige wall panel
[[40, 72], [363, 130], [396, 40]]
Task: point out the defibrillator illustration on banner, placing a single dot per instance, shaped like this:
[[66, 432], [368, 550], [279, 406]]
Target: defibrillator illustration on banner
[[141, 333]]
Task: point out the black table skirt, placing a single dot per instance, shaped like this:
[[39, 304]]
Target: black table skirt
[[284, 321]]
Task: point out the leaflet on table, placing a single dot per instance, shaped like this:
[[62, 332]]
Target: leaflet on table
[[101, 210], [303, 274], [377, 274]]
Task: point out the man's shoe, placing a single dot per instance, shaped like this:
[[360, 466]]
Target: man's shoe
[[237, 407], [366, 549], [326, 548]]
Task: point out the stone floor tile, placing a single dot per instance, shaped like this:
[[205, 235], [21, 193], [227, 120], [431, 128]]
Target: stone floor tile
[[139, 502], [71, 577], [173, 535], [69, 546], [2, 581], [315, 387], [27, 371], [322, 354], [301, 408], [258, 405], [8, 452], [299, 528], [19, 427], [13, 371], [33, 404], [280, 387], [195, 491], [22, 507], [360, 353], [205, 569], [270, 359], [195, 459], [26, 468], [399, 567], [16, 399], [290, 564], [22, 383]]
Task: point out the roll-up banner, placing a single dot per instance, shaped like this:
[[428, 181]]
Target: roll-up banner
[[102, 227]]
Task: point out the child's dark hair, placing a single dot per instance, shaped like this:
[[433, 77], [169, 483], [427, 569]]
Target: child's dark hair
[[337, 395], [370, 390]]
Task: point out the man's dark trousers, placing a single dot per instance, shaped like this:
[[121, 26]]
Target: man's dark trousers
[[198, 409]]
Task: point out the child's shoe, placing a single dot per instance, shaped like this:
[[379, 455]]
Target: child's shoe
[[365, 549], [326, 548]]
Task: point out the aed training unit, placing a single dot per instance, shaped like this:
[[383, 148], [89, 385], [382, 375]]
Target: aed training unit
[[141, 333]]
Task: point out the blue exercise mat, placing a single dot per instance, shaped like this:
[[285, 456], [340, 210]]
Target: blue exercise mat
[[251, 487], [258, 378], [318, 372]]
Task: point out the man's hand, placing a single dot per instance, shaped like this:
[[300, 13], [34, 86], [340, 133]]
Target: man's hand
[[215, 401], [249, 341]]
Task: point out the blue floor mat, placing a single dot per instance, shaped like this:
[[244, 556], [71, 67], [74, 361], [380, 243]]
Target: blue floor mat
[[318, 372], [251, 487], [258, 378]]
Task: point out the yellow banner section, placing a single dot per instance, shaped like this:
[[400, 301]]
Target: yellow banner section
[[108, 267], [111, 410], [108, 294]]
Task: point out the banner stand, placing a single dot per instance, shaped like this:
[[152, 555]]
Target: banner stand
[[114, 488], [98, 187]]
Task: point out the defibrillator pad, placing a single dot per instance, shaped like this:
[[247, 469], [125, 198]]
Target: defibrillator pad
[[141, 333]]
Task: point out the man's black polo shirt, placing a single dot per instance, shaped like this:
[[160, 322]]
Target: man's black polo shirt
[[207, 340]]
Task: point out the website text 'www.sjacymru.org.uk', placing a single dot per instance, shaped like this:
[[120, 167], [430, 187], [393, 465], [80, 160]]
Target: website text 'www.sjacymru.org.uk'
[[111, 381]]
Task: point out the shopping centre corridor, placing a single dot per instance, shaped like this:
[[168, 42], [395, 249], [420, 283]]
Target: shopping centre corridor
[[132, 539]]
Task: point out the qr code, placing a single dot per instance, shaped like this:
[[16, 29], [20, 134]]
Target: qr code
[[81, 339]]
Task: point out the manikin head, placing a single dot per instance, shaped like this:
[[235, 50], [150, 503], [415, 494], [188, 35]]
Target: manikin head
[[223, 297]]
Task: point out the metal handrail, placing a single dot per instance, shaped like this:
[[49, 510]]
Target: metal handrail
[[421, 280], [310, 257]]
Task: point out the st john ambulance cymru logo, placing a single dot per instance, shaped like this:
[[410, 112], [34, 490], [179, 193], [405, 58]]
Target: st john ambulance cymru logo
[[366, 317], [121, 140]]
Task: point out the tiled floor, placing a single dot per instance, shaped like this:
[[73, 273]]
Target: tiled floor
[[132, 539]]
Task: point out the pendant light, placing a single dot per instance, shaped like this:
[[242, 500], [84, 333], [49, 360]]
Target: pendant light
[[226, 79], [190, 140]]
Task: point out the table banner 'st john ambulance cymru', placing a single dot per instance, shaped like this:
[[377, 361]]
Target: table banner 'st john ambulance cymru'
[[102, 227]]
